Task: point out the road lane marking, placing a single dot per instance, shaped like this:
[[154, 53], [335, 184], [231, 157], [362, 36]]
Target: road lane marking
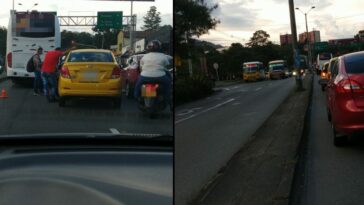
[[235, 87], [237, 103], [114, 131], [186, 112], [204, 111], [258, 89]]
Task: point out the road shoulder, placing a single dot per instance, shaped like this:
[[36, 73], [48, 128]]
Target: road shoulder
[[262, 171]]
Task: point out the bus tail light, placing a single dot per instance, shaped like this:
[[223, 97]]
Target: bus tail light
[[9, 58]]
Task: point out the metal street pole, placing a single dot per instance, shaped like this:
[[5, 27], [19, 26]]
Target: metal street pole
[[131, 27], [307, 37], [294, 44]]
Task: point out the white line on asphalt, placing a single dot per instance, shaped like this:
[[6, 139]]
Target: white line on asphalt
[[235, 87], [208, 109], [226, 88], [186, 112], [114, 131], [237, 103], [258, 89]]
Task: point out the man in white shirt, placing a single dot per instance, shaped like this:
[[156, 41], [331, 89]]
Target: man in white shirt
[[154, 68]]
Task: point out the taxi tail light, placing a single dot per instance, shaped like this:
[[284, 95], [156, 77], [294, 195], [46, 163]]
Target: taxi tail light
[[9, 58], [116, 72], [65, 73]]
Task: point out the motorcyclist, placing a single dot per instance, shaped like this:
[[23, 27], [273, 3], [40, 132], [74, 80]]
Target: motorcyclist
[[154, 68]]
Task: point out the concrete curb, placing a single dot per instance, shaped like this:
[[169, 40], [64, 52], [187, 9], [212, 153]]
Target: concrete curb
[[263, 171]]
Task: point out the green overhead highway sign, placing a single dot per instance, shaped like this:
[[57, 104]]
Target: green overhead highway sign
[[319, 46], [109, 19]]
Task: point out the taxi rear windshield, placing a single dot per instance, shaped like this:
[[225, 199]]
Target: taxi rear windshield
[[90, 57]]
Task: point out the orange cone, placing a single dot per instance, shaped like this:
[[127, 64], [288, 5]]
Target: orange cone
[[3, 93]]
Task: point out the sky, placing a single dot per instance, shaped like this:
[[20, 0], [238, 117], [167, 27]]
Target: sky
[[88, 8], [239, 19]]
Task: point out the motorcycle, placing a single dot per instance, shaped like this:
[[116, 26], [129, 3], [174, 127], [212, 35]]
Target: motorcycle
[[152, 100]]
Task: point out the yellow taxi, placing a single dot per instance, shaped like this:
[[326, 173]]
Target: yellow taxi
[[90, 73]]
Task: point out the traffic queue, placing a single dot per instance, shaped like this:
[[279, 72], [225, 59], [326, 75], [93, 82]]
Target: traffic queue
[[342, 80], [95, 73]]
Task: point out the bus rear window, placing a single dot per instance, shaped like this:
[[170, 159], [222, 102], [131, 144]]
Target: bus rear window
[[34, 25]]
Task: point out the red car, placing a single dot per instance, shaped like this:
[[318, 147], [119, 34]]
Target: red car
[[345, 97], [131, 74]]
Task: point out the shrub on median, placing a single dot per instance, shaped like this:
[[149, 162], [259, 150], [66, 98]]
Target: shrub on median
[[189, 89]]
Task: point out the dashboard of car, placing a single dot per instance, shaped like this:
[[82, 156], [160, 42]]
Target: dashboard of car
[[86, 175]]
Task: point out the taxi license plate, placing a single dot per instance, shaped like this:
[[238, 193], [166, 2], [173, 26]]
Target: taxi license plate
[[89, 76]]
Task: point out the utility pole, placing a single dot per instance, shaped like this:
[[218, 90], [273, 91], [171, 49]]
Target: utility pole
[[294, 45], [308, 39], [131, 27]]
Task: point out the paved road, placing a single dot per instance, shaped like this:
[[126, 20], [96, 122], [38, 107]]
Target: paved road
[[24, 113], [210, 131], [331, 175]]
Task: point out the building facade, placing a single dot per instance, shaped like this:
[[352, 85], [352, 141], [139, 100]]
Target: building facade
[[314, 37], [285, 39]]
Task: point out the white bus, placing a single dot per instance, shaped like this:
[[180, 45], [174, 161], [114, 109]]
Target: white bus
[[26, 32]]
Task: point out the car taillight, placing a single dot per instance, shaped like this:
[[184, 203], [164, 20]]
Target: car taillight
[[9, 58], [65, 73], [323, 74], [347, 85], [116, 72]]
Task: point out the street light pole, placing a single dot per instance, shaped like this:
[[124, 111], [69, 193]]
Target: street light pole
[[294, 43], [308, 39]]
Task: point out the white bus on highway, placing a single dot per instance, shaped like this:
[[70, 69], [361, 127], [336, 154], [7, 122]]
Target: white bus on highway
[[26, 32]]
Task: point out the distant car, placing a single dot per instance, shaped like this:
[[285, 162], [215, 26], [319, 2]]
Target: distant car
[[131, 74], [345, 97], [90, 73]]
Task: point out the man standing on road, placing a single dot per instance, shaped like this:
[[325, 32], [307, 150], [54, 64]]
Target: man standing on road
[[49, 76], [37, 75]]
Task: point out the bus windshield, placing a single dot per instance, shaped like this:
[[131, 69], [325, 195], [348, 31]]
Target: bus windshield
[[250, 68], [276, 66], [34, 25]]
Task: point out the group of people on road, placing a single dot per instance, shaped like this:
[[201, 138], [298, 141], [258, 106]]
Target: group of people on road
[[45, 73]]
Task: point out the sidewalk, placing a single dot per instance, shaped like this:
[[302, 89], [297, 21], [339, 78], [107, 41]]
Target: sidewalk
[[262, 171]]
